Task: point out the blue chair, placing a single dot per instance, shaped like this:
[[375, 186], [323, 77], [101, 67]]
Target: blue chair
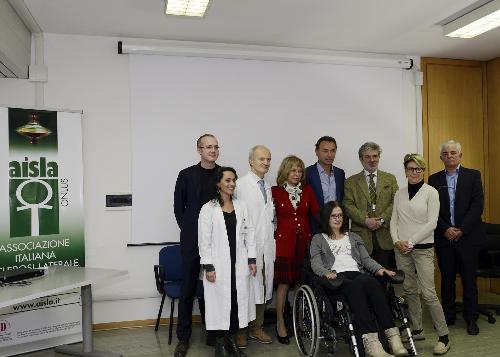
[[168, 277]]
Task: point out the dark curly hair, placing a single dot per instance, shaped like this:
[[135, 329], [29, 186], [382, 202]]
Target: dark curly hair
[[218, 176], [324, 218]]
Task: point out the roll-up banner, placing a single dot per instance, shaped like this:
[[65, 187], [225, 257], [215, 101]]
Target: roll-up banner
[[41, 217], [41, 193]]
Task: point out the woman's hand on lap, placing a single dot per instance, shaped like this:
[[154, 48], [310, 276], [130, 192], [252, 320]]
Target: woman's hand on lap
[[331, 276]]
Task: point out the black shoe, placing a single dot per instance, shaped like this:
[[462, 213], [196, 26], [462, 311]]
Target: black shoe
[[234, 351], [181, 349], [221, 348], [283, 340], [472, 328]]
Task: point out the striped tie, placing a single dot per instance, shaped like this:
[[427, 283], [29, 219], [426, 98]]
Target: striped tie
[[373, 191]]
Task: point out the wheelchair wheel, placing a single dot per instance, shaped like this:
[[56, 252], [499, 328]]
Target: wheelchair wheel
[[306, 321]]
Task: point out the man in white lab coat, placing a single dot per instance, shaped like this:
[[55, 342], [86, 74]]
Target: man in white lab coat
[[256, 192]]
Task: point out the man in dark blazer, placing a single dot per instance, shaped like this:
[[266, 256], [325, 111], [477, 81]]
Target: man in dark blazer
[[194, 187], [326, 180], [459, 232]]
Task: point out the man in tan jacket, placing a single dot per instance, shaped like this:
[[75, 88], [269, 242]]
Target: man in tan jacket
[[368, 200]]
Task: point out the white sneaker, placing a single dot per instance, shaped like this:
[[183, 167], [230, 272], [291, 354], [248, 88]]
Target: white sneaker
[[441, 348]]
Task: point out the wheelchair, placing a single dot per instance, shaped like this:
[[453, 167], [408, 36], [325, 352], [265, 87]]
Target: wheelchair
[[316, 319]]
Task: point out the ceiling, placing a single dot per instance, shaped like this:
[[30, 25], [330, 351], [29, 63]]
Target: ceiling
[[381, 26]]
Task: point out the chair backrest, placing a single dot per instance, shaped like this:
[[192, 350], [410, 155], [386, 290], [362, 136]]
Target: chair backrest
[[490, 251], [170, 259]]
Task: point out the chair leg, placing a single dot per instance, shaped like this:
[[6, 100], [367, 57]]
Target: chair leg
[[170, 325], [489, 315], [159, 312]]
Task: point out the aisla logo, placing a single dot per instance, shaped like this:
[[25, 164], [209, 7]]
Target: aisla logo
[[33, 192]]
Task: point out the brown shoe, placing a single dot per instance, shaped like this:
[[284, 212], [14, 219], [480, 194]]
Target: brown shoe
[[260, 335], [241, 339]]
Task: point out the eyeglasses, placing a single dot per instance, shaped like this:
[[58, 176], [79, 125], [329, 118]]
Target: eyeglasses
[[337, 216], [415, 170], [210, 147]]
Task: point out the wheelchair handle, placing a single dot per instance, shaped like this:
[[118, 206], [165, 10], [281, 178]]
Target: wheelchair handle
[[396, 279]]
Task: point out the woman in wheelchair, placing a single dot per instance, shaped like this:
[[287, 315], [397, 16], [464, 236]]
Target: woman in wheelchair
[[339, 255]]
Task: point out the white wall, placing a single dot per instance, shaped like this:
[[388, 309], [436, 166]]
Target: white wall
[[15, 43], [87, 73]]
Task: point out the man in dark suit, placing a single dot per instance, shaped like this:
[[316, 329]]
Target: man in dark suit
[[194, 187], [326, 180], [459, 232]]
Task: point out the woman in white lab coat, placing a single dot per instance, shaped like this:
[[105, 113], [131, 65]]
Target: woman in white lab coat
[[227, 251]]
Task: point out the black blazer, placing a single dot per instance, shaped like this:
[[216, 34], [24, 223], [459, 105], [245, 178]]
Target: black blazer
[[312, 179], [469, 204], [187, 206]]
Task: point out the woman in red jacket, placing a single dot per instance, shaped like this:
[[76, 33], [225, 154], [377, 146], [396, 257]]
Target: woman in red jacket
[[293, 201]]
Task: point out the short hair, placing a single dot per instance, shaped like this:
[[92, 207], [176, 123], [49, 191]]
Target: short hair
[[286, 166], [329, 139], [417, 159], [369, 146], [252, 151], [198, 142], [324, 217], [453, 143]]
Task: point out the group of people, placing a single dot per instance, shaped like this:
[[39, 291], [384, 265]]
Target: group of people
[[248, 238]]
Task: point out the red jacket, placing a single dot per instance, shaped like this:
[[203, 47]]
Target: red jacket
[[293, 231]]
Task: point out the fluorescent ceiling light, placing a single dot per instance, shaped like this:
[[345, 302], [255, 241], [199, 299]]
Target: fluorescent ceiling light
[[186, 7], [476, 22]]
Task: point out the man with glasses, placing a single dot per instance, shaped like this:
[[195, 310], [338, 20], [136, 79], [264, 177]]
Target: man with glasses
[[459, 233], [368, 200], [194, 187]]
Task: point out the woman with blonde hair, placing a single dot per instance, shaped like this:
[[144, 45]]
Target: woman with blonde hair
[[293, 201], [414, 218]]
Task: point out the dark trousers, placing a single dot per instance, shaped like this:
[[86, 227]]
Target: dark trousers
[[384, 257], [365, 295], [455, 258], [190, 277]]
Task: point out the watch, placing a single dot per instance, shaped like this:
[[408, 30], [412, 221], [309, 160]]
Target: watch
[[382, 221]]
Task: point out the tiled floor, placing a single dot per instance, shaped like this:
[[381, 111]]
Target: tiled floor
[[144, 342]]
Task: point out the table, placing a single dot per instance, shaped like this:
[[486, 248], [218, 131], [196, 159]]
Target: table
[[59, 279]]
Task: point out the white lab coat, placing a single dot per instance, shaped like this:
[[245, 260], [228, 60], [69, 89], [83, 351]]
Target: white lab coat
[[261, 217], [214, 249]]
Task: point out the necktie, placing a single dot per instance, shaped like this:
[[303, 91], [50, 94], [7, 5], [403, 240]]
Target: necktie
[[373, 191], [262, 189]]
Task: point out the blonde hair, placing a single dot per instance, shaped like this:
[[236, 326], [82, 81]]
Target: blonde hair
[[417, 159], [286, 166]]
